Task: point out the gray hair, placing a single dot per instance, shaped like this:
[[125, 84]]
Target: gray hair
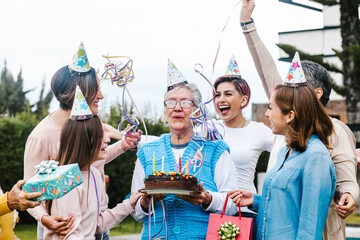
[[317, 76], [197, 99]]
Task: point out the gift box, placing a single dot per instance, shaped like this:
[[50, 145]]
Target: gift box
[[53, 182], [229, 227]]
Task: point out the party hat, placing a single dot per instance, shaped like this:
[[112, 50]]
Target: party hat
[[80, 109], [174, 77], [80, 62], [233, 68], [295, 76]]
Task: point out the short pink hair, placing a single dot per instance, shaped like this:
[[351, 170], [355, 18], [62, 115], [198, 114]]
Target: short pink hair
[[240, 84]]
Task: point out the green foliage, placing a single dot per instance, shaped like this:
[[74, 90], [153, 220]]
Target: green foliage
[[43, 104], [120, 170], [13, 97], [13, 136], [355, 55], [290, 50]]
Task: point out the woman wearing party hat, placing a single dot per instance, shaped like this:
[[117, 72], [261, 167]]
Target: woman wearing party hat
[[183, 217], [83, 141], [246, 139], [343, 146], [297, 192], [43, 142]]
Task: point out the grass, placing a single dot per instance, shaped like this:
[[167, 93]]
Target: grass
[[127, 226], [25, 231], [353, 218]]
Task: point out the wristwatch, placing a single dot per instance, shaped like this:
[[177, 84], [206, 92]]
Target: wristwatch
[[246, 23]]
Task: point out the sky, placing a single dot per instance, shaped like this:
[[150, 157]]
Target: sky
[[41, 36]]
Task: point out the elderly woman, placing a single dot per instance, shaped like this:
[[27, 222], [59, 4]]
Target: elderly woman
[[187, 216]]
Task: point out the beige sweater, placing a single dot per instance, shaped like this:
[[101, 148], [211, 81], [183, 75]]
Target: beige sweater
[[43, 144], [343, 141]]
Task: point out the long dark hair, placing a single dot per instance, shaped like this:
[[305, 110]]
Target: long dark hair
[[64, 82], [310, 116], [80, 142]]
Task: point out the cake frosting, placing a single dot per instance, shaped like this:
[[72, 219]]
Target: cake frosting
[[171, 180]]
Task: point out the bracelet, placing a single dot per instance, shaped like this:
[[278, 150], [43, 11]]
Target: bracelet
[[243, 24]]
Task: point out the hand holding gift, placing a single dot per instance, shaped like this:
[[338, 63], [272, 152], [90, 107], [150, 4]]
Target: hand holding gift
[[53, 181]]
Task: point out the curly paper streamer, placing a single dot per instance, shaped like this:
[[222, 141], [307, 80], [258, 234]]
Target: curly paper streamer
[[46, 167], [121, 74], [205, 124], [209, 130]]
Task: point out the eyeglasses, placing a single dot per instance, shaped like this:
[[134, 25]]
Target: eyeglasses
[[183, 103]]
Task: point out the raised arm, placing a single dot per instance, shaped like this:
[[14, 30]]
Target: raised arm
[[264, 62], [123, 144]]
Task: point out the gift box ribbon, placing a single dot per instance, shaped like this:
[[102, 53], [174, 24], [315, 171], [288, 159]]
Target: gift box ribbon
[[46, 167]]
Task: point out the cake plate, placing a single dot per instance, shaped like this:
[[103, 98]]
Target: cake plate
[[154, 191]]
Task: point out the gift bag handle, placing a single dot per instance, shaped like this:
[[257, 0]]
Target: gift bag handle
[[224, 208]]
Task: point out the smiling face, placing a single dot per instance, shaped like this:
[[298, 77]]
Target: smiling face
[[228, 101], [178, 117], [94, 104], [105, 142], [278, 120]]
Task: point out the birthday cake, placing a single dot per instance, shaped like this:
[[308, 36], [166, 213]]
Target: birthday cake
[[171, 180]]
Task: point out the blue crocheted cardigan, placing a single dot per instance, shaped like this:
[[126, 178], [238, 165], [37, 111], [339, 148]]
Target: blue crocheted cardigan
[[184, 220]]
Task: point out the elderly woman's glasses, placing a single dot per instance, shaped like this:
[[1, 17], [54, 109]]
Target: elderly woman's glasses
[[183, 103]]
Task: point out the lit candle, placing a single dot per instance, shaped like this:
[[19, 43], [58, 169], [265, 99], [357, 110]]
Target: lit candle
[[180, 163], [186, 166], [154, 161], [162, 163]]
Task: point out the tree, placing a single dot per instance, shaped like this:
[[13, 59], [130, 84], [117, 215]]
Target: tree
[[12, 95], [350, 34], [43, 104]]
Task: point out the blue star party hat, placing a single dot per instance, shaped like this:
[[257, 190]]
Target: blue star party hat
[[80, 109], [80, 62], [295, 76], [233, 68], [174, 77]]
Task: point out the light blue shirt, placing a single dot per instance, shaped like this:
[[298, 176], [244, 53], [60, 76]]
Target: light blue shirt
[[296, 194]]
